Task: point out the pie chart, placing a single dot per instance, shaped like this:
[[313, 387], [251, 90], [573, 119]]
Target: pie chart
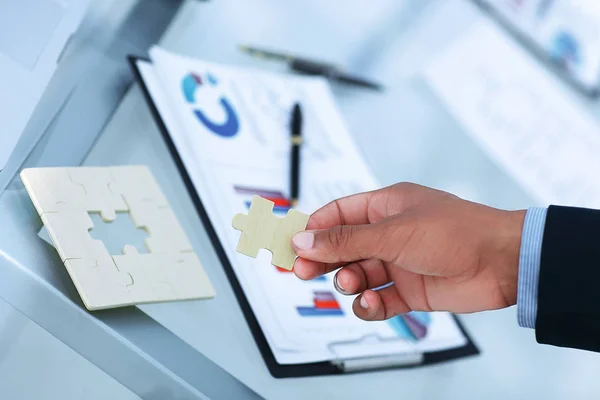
[[228, 126]]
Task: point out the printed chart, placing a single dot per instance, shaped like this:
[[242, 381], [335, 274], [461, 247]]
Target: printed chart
[[324, 305]]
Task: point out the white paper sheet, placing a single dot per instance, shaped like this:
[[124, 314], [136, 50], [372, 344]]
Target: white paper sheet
[[568, 31], [521, 116], [252, 156]]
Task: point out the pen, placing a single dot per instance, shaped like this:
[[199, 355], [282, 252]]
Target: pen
[[312, 67], [331, 72], [266, 54], [296, 139]]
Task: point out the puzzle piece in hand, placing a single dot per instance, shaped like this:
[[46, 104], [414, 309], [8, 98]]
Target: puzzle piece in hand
[[263, 230], [63, 197]]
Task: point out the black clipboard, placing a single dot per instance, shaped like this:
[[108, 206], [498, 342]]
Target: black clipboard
[[285, 370]]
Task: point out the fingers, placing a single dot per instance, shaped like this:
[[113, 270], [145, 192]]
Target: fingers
[[307, 269], [379, 305], [353, 227], [360, 276], [350, 210], [342, 243], [371, 207]]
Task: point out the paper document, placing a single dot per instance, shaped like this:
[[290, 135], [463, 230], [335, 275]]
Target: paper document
[[567, 31], [231, 128], [529, 123]]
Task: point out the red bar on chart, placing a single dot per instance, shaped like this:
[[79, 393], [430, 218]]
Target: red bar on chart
[[324, 304]]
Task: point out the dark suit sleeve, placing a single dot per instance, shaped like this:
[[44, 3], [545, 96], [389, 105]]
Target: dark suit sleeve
[[568, 313]]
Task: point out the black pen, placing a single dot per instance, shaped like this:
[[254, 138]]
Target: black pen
[[312, 67], [296, 131]]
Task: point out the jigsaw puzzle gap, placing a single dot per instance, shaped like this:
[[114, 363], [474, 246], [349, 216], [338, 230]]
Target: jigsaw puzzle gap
[[118, 234]]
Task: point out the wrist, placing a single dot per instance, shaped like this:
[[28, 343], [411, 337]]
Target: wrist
[[506, 249]]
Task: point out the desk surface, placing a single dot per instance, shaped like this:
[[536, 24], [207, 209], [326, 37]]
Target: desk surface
[[423, 144]]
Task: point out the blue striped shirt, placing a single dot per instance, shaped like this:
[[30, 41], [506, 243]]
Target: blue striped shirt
[[529, 266]]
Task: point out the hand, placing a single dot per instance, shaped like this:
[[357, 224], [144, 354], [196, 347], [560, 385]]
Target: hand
[[439, 252]]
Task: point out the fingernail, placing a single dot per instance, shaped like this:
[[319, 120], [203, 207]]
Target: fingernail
[[304, 240], [363, 302], [337, 285]]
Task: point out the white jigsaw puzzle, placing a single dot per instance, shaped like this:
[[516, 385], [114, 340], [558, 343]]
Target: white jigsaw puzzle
[[64, 197]]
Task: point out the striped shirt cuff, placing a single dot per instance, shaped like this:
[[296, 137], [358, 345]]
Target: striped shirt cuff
[[529, 266]]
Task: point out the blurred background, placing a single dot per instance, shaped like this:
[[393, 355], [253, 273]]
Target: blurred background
[[495, 101]]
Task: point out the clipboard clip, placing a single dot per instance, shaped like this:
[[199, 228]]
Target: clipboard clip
[[402, 355], [378, 363]]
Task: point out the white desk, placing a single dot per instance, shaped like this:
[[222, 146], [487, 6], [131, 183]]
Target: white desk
[[418, 141]]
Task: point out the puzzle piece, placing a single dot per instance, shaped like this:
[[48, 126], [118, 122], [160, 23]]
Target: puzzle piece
[[263, 230], [165, 233], [64, 197], [150, 209], [183, 279], [98, 195], [99, 282], [58, 189], [137, 185], [70, 229]]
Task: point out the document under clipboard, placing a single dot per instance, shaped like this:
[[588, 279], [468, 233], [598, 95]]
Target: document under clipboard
[[284, 356]]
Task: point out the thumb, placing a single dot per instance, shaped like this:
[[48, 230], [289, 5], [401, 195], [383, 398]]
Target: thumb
[[342, 243]]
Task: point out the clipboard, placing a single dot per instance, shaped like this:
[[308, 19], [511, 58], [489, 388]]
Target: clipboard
[[337, 366]]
